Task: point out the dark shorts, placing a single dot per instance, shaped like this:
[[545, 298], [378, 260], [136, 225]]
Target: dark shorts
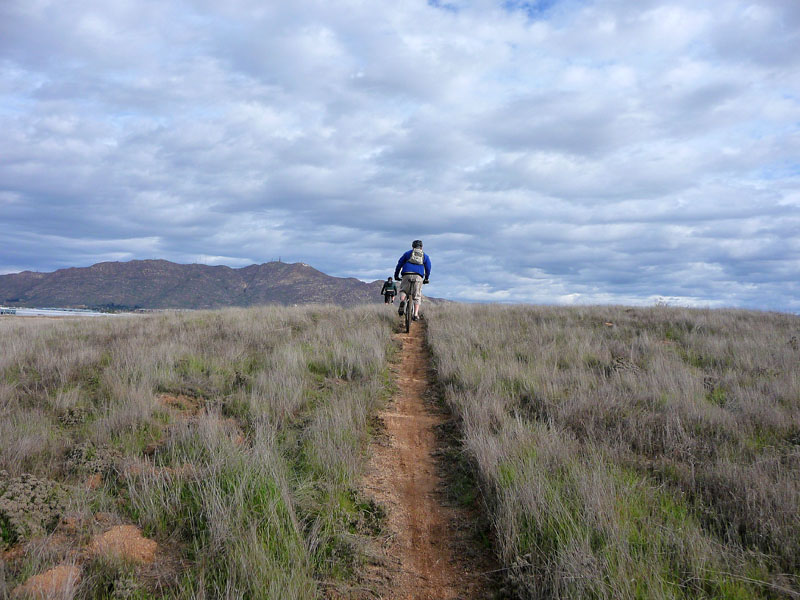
[[387, 297]]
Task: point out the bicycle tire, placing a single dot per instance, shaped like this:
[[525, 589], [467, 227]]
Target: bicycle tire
[[409, 312]]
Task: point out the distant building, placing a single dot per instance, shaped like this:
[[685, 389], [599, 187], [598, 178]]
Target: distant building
[[8, 311]]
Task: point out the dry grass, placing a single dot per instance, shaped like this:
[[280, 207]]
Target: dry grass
[[632, 453], [625, 453], [252, 494]]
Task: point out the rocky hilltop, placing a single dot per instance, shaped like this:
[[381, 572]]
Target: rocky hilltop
[[164, 284]]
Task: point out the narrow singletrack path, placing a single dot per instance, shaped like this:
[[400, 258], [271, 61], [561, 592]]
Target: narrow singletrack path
[[421, 560]]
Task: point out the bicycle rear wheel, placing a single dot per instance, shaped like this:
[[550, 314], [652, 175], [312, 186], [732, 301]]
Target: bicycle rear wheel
[[409, 312]]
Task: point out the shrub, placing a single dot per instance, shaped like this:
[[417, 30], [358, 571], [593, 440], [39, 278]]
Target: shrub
[[29, 507]]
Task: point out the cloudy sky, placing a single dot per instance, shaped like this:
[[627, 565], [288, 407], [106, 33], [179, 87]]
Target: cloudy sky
[[548, 151]]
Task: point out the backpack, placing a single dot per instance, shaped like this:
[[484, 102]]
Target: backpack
[[417, 256]]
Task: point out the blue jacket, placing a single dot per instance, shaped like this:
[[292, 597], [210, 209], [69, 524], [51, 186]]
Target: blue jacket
[[406, 267]]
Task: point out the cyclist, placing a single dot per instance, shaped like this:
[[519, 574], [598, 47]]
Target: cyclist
[[415, 267], [388, 290]]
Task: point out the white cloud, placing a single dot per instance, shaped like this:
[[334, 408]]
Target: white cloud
[[581, 151]]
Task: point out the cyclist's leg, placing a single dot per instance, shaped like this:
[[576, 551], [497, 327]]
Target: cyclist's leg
[[416, 294], [402, 300], [405, 293]]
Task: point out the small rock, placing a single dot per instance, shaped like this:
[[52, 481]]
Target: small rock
[[57, 583]]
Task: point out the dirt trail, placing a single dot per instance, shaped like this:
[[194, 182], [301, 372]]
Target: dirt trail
[[421, 560]]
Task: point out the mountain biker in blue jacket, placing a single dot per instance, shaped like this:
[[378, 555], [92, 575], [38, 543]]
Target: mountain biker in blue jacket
[[415, 267]]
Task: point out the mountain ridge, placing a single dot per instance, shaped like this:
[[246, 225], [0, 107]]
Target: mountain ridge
[[159, 283]]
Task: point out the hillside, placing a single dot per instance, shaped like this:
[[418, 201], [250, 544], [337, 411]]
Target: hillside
[[164, 284]]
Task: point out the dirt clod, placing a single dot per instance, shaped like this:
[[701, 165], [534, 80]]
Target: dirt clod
[[124, 542], [185, 405], [105, 519], [94, 481], [70, 524], [13, 554], [152, 448], [57, 583]]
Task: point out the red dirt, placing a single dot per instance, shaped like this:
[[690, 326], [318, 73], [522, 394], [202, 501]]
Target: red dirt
[[124, 542], [105, 519], [421, 561], [15, 553], [59, 582], [180, 403], [94, 481]]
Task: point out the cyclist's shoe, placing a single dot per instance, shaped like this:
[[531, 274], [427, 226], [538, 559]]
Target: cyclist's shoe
[[415, 318], [401, 308]]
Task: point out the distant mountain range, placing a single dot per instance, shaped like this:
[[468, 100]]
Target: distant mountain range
[[164, 284]]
